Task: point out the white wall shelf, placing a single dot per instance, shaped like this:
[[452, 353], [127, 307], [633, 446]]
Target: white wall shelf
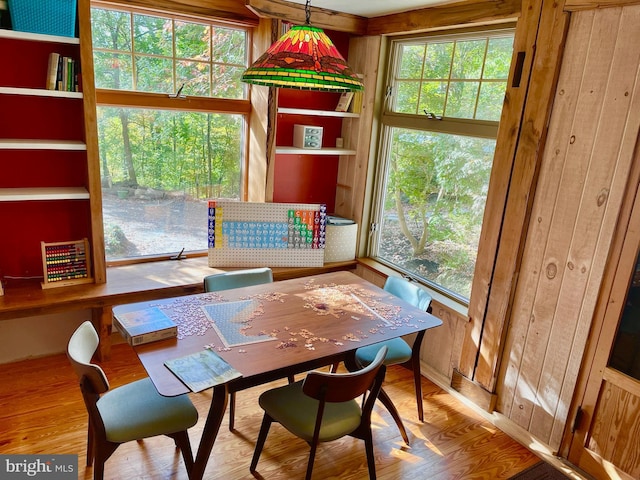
[[47, 193], [39, 92], [38, 37], [317, 113], [314, 151], [38, 144]]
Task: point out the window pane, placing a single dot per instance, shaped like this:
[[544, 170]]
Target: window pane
[[468, 59], [158, 168], [434, 203], [192, 41], [110, 29], [153, 35], [154, 74], [625, 356], [461, 102], [432, 97], [229, 46], [113, 70], [498, 58], [196, 77], [438, 61], [431, 203], [226, 81], [411, 60], [490, 101], [207, 59], [407, 97]]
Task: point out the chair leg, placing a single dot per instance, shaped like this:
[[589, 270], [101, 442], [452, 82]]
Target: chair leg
[[371, 460], [312, 457], [232, 411], [334, 367], [183, 443], [386, 401], [90, 445], [103, 451], [262, 436]]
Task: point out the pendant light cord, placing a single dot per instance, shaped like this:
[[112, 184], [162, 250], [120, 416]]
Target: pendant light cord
[[307, 11]]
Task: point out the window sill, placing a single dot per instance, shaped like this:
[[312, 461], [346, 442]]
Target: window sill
[[130, 283], [438, 297]]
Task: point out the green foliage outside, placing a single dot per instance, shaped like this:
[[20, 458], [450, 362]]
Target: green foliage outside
[[158, 166], [198, 154], [436, 185]]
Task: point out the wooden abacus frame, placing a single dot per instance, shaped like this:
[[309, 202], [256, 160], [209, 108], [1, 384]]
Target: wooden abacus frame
[[70, 265]]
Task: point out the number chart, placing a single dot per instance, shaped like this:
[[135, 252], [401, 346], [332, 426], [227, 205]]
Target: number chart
[[246, 234], [66, 263]]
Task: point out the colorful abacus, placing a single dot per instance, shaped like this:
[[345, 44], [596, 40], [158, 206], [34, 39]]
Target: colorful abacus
[[66, 263]]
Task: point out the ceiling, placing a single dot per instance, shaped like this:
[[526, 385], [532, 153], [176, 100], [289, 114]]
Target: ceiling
[[371, 8]]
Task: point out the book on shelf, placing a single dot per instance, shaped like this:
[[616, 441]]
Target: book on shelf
[[202, 370], [62, 73], [356, 104], [344, 102], [145, 326], [52, 70]]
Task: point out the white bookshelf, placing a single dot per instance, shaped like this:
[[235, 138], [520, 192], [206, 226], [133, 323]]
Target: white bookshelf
[[45, 193]]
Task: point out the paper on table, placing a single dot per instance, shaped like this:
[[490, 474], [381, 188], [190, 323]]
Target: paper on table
[[202, 370]]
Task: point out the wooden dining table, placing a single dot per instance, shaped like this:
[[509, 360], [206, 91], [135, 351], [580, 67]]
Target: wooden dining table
[[272, 331]]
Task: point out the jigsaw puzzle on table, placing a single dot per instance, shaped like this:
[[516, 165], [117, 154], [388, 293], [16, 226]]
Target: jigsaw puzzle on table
[[232, 320], [249, 234]]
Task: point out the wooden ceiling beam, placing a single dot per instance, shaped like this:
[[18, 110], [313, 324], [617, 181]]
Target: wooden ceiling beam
[[320, 17], [460, 14], [233, 11]]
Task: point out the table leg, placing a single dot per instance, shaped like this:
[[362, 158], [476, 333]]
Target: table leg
[[210, 431], [102, 318]]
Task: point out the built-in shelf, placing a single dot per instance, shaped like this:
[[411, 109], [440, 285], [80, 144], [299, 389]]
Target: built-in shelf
[[314, 151], [39, 92], [38, 37], [317, 113], [46, 193], [29, 144]]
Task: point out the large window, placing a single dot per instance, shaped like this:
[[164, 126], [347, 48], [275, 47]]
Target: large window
[[171, 127], [443, 102]]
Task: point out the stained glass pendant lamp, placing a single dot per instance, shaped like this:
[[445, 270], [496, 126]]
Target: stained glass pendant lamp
[[304, 58]]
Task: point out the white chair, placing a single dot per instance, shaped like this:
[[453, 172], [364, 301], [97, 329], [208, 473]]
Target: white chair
[[130, 412]]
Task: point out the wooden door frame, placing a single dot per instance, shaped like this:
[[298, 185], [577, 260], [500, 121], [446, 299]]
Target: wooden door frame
[[608, 311]]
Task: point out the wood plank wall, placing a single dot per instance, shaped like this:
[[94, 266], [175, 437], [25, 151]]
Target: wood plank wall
[[586, 162]]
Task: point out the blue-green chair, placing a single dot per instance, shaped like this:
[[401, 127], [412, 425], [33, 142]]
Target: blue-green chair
[[236, 279], [130, 412], [400, 352], [323, 407]]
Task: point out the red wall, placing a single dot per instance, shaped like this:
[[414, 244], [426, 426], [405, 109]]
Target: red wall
[[308, 178]]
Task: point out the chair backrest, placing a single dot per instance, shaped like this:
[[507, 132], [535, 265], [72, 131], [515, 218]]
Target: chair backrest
[[237, 279], [409, 292], [82, 345], [341, 387]]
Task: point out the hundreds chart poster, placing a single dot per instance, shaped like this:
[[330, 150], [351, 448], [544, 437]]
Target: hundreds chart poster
[[246, 234]]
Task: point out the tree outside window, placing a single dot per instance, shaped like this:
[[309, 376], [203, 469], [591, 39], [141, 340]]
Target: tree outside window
[[161, 161], [438, 140]]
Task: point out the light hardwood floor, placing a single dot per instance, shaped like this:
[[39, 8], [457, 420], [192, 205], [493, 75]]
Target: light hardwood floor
[[41, 411]]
